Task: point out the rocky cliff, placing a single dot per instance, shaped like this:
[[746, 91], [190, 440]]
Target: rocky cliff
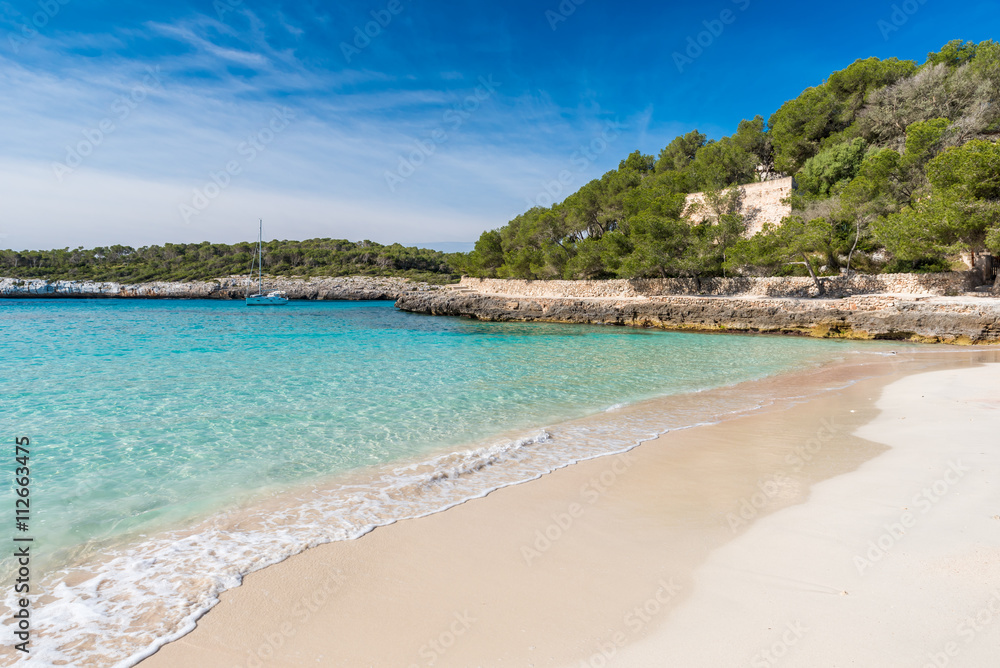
[[964, 319], [232, 287]]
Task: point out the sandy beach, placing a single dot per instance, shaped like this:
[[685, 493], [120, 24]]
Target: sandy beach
[[860, 526]]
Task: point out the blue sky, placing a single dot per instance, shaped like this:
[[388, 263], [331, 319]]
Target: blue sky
[[142, 124]]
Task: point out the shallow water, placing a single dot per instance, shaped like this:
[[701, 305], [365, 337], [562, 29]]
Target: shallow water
[[177, 445]]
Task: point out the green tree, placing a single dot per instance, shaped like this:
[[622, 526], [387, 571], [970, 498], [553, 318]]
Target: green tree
[[799, 127], [828, 171], [954, 53], [680, 152], [924, 140], [594, 258], [659, 247], [752, 137], [793, 242], [637, 162], [487, 256], [723, 163], [959, 214], [851, 85]]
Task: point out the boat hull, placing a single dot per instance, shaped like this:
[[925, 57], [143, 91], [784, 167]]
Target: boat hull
[[266, 300]]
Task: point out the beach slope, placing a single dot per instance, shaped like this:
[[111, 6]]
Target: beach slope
[[857, 527]]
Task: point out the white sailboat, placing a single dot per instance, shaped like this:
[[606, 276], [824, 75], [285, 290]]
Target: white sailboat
[[271, 298]]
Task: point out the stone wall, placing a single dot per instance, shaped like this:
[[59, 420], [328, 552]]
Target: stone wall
[[761, 203], [950, 283], [941, 320]]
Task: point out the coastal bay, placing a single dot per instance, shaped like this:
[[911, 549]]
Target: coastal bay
[[252, 435], [649, 557], [422, 335]]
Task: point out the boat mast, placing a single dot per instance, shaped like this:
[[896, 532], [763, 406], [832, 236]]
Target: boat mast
[[260, 255]]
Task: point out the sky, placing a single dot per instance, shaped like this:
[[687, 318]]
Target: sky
[[417, 122]]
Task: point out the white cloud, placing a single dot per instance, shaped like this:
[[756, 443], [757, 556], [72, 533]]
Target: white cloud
[[188, 36], [100, 209], [322, 176]]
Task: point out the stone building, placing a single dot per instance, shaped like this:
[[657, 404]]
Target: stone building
[[759, 203]]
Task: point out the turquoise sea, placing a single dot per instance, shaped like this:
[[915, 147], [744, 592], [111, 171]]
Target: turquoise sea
[[178, 445]]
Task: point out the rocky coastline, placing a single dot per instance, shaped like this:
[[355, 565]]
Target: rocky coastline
[[231, 287], [946, 310], [969, 318]]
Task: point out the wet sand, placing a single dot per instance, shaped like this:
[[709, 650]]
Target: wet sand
[[703, 547]]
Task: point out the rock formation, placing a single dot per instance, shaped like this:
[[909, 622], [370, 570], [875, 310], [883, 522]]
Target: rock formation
[[935, 319], [232, 287]]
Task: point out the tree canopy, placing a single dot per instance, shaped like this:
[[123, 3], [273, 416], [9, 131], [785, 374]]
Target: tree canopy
[[891, 161], [188, 262], [896, 165]]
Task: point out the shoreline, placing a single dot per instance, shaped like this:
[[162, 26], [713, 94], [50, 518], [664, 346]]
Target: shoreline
[[890, 565], [481, 555], [948, 308], [348, 288], [959, 320], [166, 579]]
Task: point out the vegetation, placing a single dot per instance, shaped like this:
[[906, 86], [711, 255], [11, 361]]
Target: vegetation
[[896, 165], [897, 169], [190, 262]]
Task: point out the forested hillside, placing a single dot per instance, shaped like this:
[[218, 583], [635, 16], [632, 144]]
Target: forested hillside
[[186, 262], [897, 167], [896, 163]]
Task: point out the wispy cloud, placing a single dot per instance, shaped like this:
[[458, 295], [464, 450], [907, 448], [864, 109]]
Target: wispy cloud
[[187, 36], [224, 73]]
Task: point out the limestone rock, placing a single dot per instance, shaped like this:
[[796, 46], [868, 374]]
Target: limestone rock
[[231, 287], [937, 319]]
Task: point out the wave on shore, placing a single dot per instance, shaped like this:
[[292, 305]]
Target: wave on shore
[[120, 610]]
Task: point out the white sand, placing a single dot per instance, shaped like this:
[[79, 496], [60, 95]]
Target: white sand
[[895, 564], [658, 568]]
